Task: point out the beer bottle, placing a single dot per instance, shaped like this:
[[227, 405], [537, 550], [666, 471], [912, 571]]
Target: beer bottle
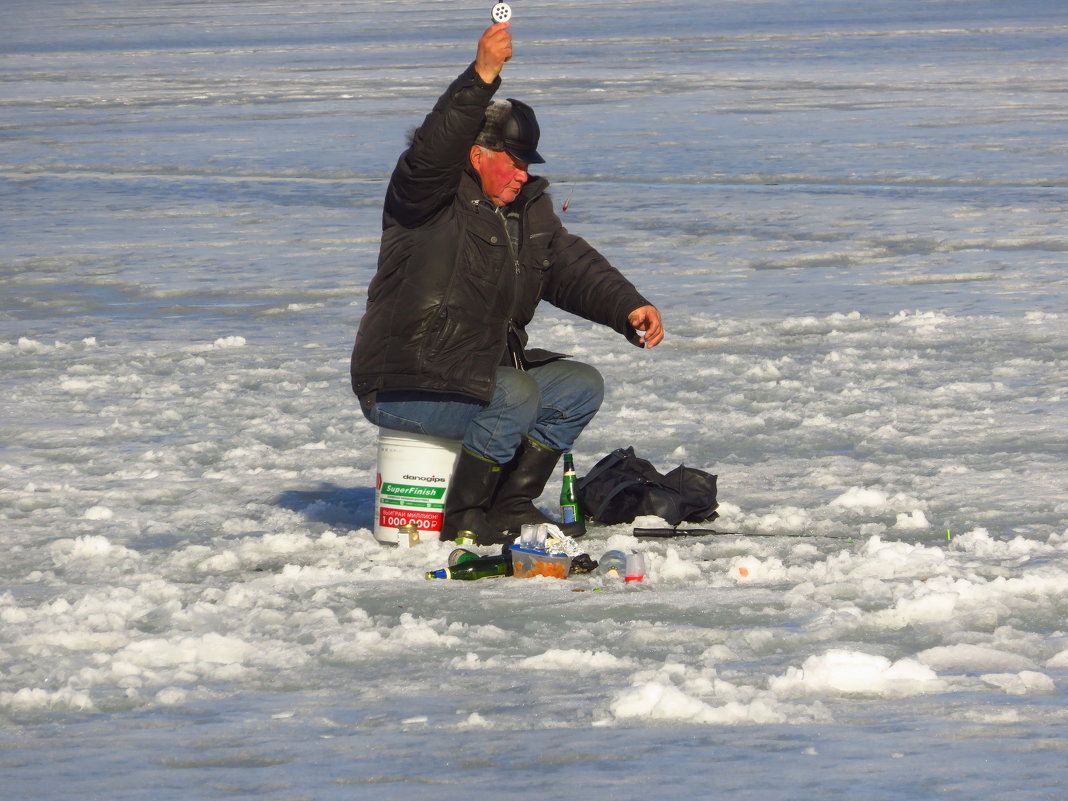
[[478, 567], [570, 508]]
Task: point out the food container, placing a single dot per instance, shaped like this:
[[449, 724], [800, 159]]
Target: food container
[[528, 563]]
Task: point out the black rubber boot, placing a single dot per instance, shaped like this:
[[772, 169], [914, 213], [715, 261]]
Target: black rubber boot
[[470, 493], [522, 482]]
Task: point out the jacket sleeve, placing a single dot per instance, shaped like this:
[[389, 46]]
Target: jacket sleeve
[[582, 281], [428, 172]]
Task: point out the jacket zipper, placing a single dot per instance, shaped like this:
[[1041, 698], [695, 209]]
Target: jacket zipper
[[516, 361]]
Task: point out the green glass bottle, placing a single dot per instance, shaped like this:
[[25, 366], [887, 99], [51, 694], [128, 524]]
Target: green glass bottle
[[461, 555], [478, 567], [570, 508]]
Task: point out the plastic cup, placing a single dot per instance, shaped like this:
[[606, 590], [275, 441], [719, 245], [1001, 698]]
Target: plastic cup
[[527, 533], [635, 569]]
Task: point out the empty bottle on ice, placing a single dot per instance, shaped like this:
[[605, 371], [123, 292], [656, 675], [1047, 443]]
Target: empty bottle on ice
[[479, 567]]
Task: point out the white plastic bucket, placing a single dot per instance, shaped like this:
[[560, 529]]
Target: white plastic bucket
[[414, 471]]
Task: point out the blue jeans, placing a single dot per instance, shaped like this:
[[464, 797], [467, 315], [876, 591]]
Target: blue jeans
[[551, 403]]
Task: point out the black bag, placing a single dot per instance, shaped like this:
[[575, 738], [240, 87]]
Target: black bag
[[623, 486]]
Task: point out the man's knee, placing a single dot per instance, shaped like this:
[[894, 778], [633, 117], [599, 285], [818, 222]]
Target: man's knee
[[575, 386], [589, 381]]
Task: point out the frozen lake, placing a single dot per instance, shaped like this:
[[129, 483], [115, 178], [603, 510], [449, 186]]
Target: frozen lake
[[852, 216]]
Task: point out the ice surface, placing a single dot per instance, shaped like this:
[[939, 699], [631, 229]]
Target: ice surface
[[852, 218]]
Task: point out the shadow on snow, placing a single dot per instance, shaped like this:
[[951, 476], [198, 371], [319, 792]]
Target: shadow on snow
[[344, 507]]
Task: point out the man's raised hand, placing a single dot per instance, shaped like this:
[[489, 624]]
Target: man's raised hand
[[494, 48]]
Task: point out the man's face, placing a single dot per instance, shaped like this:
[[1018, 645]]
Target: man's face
[[502, 176]]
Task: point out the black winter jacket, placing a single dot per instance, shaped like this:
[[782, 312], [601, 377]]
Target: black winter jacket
[[451, 291]]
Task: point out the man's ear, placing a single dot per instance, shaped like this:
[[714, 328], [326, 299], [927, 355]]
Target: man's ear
[[475, 156]]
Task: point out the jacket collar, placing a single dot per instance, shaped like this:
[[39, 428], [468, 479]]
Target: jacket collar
[[470, 190]]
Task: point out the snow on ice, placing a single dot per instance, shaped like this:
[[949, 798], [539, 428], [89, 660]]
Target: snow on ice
[[851, 216]]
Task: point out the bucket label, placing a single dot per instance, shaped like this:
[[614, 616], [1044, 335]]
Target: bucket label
[[426, 521], [420, 491]]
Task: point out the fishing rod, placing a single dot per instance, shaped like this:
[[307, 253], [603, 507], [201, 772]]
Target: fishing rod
[[675, 531]]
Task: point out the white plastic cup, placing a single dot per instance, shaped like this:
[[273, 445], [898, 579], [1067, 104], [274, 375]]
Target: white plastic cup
[[528, 533], [541, 536]]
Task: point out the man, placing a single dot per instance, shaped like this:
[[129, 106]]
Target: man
[[470, 245]]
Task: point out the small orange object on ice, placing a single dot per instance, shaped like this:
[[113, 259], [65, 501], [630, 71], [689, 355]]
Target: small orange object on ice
[[743, 572]]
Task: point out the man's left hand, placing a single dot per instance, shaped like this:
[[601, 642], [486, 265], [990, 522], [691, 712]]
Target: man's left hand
[[646, 319]]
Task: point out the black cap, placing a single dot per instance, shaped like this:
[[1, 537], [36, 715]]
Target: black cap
[[512, 127], [521, 133]]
